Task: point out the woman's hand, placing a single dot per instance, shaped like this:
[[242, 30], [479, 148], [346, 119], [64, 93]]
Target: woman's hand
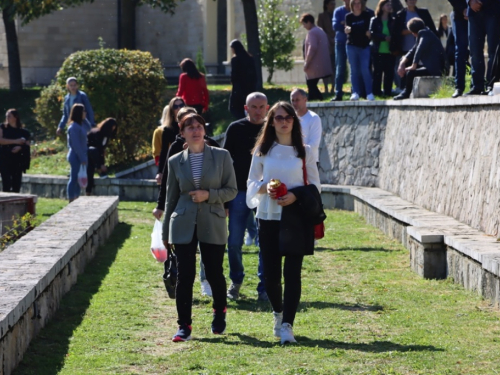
[[157, 213], [270, 191], [286, 199], [368, 34], [20, 141], [401, 70], [199, 196], [347, 29], [16, 149]]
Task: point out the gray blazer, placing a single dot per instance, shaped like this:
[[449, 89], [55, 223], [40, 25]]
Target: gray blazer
[[209, 217]]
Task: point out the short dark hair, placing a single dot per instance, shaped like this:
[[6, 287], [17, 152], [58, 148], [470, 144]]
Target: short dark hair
[[415, 25], [307, 18], [189, 119]]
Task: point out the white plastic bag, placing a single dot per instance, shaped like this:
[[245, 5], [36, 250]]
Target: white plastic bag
[[157, 248], [82, 176]]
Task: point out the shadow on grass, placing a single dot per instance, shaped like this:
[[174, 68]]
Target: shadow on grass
[[371, 347], [339, 306], [365, 249], [48, 351]]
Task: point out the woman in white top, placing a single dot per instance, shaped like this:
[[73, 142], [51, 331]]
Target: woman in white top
[[279, 153]]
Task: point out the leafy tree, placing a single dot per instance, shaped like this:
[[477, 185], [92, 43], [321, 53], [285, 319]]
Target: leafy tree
[[277, 40], [28, 10]]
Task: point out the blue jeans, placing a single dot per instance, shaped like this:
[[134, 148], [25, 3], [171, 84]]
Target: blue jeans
[[252, 227], [340, 66], [238, 218], [73, 189], [482, 25], [359, 60], [460, 29]]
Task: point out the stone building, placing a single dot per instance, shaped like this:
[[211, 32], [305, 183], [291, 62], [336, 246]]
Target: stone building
[[205, 25]]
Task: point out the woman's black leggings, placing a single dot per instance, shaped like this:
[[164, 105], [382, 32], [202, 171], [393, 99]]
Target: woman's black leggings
[[213, 258], [271, 259]]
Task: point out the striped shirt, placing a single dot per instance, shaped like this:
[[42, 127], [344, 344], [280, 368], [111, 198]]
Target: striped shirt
[[196, 161]]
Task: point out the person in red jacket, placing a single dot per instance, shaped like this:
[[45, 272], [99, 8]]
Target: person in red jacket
[[193, 87]]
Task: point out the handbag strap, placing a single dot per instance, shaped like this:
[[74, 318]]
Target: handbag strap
[[304, 171]]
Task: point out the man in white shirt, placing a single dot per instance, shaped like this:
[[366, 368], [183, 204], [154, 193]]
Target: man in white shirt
[[310, 121]]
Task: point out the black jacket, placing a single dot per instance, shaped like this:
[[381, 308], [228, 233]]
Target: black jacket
[[400, 25], [429, 50], [376, 28], [176, 147], [298, 220], [167, 138]]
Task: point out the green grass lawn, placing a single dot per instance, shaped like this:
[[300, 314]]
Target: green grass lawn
[[362, 312]]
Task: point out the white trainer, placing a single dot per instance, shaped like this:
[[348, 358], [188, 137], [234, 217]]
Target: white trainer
[[278, 319], [286, 333], [206, 290], [354, 96]]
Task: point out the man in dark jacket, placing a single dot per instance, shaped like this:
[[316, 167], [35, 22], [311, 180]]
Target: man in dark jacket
[[460, 29], [428, 50], [484, 25]]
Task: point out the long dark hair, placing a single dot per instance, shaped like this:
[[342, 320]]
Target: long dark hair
[[76, 114], [188, 67], [14, 112], [378, 10], [325, 5], [106, 127], [239, 50], [267, 135], [441, 31]]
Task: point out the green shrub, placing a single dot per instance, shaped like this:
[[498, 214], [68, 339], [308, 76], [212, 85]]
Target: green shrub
[[48, 109], [126, 85]]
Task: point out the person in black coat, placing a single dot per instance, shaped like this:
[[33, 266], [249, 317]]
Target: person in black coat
[[382, 29], [243, 78], [14, 151], [97, 140], [428, 50]]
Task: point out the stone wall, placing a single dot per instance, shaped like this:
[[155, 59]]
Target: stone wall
[[440, 154], [37, 270]]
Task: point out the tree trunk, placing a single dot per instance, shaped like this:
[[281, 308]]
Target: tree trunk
[[14, 59], [252, 28], [127, 32]]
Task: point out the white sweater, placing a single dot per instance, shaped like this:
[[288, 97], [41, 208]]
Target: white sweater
[[281, 162], [312, 131]]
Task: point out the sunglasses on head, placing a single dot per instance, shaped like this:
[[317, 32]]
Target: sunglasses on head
[[177, 106]]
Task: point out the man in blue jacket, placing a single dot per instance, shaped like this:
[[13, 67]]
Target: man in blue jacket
[[338, 24], [427, 49], [75, 96]]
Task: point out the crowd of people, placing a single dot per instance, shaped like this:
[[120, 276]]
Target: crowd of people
[[210, 195], [391, 45]]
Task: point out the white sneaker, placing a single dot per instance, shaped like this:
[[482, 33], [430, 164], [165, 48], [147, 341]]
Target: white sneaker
[[206, 290], [370, 97], [278, 319], [286, 334], [354, 96], [248, 240]]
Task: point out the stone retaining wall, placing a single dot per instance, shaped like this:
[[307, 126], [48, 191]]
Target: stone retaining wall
[[440, 154], [37, 270], [439, 246], [127, 189]]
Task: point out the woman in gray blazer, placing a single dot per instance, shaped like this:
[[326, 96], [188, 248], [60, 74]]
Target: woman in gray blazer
[[200, 180]]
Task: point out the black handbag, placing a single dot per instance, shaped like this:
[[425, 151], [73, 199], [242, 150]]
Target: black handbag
[[170, 275]]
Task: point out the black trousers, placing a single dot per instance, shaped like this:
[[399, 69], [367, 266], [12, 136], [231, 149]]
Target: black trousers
[[271, 259], [212, 257], [11, 178], [410, 76], [312, 89], [383, 64]]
